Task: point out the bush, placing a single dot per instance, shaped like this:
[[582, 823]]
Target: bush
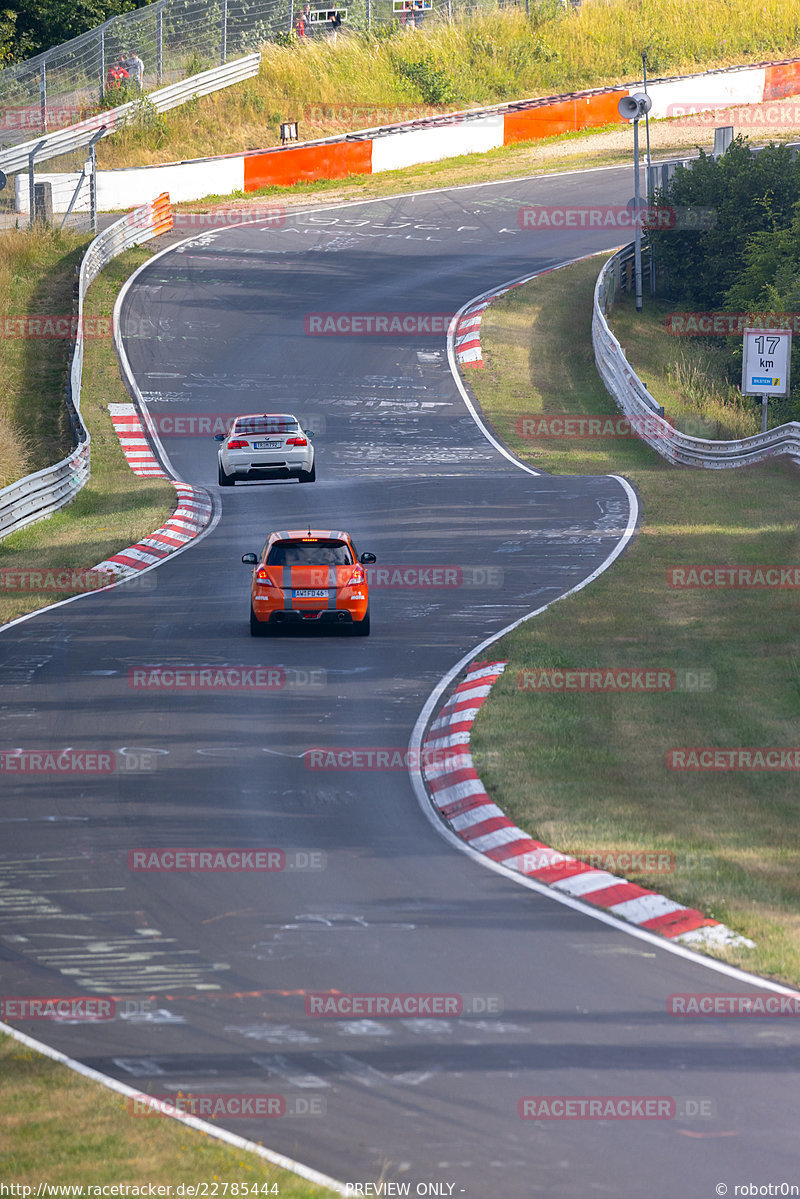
[[750, 261], [433, 84]]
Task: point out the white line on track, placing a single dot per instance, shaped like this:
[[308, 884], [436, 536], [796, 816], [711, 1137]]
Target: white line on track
[[219, 1134], [433, 700]]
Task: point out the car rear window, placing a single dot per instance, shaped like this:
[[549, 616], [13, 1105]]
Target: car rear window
[[264, 424], [310, 553]]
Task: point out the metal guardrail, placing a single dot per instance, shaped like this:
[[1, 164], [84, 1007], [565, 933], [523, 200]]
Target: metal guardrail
[[18, 158], [40, 494], [648, 422]]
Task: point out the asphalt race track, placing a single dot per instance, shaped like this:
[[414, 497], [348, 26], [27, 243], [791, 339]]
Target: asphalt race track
[[213, 970]]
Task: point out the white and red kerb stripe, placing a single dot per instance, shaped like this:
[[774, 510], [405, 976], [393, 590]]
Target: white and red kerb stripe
[[459, 796], [189, 518], [468, 330]]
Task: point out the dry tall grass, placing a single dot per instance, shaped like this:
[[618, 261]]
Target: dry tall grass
[[36, 273], [490, 58]]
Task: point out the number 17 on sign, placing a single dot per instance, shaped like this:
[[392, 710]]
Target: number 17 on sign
[[766, 363]]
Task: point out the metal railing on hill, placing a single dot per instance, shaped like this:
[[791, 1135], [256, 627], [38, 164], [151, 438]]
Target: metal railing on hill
[[85, 133], [647, 417], [38, 495]]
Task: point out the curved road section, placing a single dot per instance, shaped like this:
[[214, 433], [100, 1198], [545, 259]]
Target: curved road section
[[232, 984]]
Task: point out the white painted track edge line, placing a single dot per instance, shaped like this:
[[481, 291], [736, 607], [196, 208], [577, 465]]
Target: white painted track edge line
[[452, 353], [216, 507], [433, 700], [139, 404], [229, 1138], [219, 1134]]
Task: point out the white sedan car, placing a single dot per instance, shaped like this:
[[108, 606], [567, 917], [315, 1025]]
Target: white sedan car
[[266, 445]]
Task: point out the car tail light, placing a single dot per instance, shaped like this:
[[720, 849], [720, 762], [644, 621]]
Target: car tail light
[[296, 441], [262, 574], [238, 445], [357, 578]]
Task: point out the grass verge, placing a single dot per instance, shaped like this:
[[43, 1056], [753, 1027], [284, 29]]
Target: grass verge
[[115, 508], [36, 276], [688, 376], [587, 773], [57, 1127]]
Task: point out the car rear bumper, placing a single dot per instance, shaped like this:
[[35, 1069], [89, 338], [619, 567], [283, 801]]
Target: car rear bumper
[[267, 472], [309, 616]]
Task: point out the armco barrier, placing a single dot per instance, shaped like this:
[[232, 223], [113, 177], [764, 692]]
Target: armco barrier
[[633, 399], [40, 494], [430, 139], [51, 145]]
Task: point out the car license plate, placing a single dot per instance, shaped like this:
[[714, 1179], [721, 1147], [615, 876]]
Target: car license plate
[[267, 445], [310, 595]]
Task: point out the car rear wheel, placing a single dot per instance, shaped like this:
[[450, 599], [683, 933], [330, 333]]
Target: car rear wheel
[[361, 627], [225, 480], [257, 628], [309, 476]]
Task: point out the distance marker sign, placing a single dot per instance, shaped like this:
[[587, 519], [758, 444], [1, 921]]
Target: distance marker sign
[[765, 362]]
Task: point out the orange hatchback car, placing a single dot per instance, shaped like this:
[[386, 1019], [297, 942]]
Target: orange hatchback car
[[305, 578]]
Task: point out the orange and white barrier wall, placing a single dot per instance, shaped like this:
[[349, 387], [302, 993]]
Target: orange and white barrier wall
[[429, 139]]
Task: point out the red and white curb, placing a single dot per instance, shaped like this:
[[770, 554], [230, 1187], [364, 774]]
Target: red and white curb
[[468, 330], [193, 513], [468, 339], [459, 797]]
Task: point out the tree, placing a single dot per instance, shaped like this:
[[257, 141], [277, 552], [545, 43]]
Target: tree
[[748, 194], [40, 24]]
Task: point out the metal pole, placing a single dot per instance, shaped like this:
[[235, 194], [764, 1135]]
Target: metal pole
[[369, 14], [43, 93], [291, 15], [31, 188], [159, 42], [637, 217], [764, 412], [646, 120], [450, 12], [93, 187], [101, 46], [224, 50]]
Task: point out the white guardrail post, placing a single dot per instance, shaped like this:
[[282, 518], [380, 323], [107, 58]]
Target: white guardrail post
[[38, 495], [647, 419]]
